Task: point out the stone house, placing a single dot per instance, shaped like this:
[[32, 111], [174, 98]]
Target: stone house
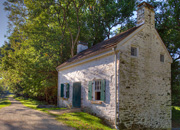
[[125, 79]]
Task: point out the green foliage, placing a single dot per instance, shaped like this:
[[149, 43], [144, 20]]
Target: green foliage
[[106, 14], [44, 34], [176, 95], [4, 102], [1, 87], [176, 116]]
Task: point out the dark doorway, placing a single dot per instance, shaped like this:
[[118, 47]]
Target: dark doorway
[[77, 94]]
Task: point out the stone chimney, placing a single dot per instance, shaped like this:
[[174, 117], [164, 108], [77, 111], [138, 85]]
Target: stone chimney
[[145, 14], [81, 46]]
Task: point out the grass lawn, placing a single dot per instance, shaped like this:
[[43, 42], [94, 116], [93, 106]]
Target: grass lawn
[[82, 121], [78, 120], [4, 102], [176, 116], [34, 103]]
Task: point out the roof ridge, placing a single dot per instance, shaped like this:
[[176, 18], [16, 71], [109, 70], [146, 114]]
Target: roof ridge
[[101, 46], [121, 33], [106, 40]]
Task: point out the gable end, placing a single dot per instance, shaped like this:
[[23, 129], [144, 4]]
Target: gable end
[[162, 43]]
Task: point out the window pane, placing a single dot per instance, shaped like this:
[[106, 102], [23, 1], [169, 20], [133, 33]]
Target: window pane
[[161, 58], [97, 88], [97, 95], [65, 90], [66, 93], [99, 85], [133, 51]]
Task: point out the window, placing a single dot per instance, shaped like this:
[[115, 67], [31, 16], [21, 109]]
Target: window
[[96, 90], [65, 90], [161, 57], [134, 51]]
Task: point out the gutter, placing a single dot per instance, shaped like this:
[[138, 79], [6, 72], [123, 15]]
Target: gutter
[[85, 57], [115, 73], [85, 60]]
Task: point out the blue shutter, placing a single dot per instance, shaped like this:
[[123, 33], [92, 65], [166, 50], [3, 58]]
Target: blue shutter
[[103, 89], [62, 90], [90, 90]]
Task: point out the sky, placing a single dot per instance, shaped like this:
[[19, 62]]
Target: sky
[[3, 23]]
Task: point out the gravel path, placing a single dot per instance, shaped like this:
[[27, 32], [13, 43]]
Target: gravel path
[[18, 117]]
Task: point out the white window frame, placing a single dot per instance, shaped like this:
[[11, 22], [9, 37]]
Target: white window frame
[[93, 90]]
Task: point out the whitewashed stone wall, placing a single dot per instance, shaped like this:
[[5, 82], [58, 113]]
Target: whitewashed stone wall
[[145, 90], [101, 68]]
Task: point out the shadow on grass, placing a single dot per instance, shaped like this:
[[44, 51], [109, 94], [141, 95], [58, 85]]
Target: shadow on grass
[[4, 102], [176, 116], [31, 103]]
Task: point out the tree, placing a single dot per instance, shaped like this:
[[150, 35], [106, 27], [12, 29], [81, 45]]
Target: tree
[[45, 34]]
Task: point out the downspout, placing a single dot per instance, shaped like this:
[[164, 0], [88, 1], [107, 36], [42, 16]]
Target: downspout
[[115, 73], [58, 88]]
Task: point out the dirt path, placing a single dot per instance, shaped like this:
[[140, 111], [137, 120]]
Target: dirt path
[[18, 117]]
